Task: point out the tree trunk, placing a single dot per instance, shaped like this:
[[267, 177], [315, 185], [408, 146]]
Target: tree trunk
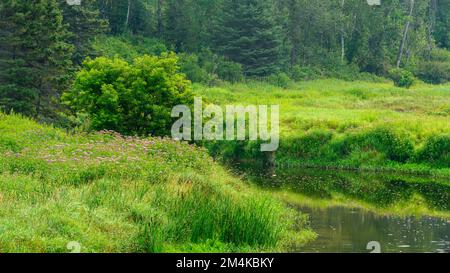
[[128, 14], [405, 34]]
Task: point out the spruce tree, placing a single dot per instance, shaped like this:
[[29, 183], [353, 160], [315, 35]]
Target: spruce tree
[[34, 56], [84, 23], [442, 32], [247, 33], [177, 25]]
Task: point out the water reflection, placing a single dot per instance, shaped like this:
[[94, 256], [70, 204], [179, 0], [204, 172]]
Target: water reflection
[[343, 229], [377, 189]]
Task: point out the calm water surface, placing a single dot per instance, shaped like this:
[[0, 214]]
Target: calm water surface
[[343, 229]]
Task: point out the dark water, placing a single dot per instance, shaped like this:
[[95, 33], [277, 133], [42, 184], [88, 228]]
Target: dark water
[[343, 229]]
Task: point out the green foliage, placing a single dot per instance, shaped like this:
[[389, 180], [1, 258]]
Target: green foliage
[[206, 67], [442, 33], [230, 71], [440, 55], [82, 30], [199, 218], [130, 16], [177, 24], [142, 195], [395, 146], [127, 47], [332, 123], [279, 79], [401, 77], [134, 98], [324, 144], [308, 33], [35, 56], [310, 145], [436, 69], [300, 73], [190, 65], [436, 151], [434, 72], [247, 33]]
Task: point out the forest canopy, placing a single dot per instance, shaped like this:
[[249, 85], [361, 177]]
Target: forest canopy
[[43, 43]]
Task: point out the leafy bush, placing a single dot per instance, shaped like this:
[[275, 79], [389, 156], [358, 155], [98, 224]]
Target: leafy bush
[[396, 147], [343, 71], [401, 77], [392, 145], [127, 47], [280, 79], [310, 145], [440, 55], [207, 67], [299, 73], [230, 71], [436, 150], [134, 98], [189, 65], [347, 72], [434, 72]]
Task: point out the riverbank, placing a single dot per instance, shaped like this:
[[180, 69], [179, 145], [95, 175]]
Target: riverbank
[[334, 124], [109, 193]]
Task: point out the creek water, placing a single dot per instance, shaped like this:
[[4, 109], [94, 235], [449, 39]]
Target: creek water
[[346, 229], [342, 229]]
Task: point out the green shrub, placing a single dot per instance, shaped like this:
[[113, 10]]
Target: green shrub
[[299, 73], [401, 77], [132, 99], [189, 65], [309, 145], [230, 71], [343, 71], [436, 151], [127, 47], [434, 72], [394, 146], [440, 55], [280, 79], [207, 67]]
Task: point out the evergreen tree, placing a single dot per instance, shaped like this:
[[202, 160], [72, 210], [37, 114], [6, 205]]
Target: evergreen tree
[[177, 24], [84, 23], [134, 16], [442, 33], [247, 33], [34, 56]]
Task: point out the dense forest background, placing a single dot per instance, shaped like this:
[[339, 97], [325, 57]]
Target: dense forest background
[[44, 42]]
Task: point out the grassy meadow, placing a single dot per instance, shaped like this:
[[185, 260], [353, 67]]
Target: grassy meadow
[[331, 123], [111, 193]]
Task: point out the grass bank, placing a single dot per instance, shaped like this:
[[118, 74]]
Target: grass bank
[[334, 124], [112, 193]]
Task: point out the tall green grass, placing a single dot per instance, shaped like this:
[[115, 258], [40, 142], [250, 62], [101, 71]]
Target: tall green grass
[[355, 125], [123, 194]]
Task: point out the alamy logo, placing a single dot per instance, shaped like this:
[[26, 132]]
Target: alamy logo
[[73, 2], [229, 126], [374, 2]]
